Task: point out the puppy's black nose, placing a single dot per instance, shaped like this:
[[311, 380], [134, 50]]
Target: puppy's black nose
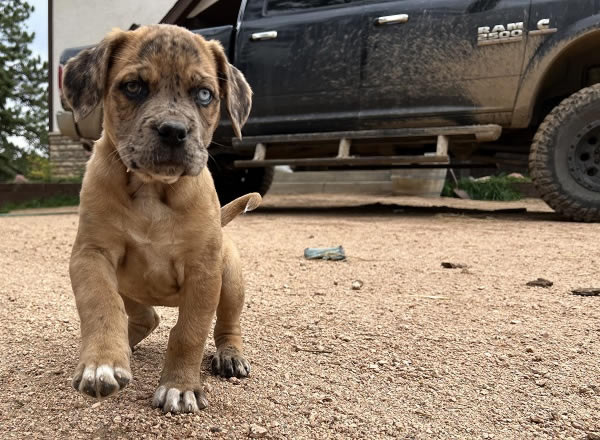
[[172, 133]]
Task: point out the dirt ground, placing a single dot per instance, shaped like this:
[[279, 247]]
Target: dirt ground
[[418, 352]]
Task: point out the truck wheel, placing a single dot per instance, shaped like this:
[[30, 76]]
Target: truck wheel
[[231, 182], [565, 157]]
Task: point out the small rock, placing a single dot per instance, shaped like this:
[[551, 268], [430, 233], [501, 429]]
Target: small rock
[[96, 405], [529, 350], [448, 265], [593, 436], [541, 383], [345, 338], [537, 358], [335, 283], [215, 429], [578, 425], [117, 419], [515, 321], [373, 367], [319, 293], [540, 282], [356, 285], [536, 419], [256, 431], [234, 380], [591, 291]]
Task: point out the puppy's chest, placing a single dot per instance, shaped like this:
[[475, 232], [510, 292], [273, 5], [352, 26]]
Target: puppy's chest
[[152, 268]]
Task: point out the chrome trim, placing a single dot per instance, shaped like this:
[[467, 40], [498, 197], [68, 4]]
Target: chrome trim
[[260, 36], [500, 41], [543, 31], [392, 19]]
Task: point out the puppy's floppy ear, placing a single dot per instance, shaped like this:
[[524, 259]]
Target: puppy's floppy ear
[[85, 75], [233, 88]]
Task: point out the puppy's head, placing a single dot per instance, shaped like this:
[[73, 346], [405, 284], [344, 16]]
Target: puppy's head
[[161, 87]]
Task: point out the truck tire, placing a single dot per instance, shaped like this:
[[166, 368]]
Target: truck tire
[[231, 182], [565, 157]]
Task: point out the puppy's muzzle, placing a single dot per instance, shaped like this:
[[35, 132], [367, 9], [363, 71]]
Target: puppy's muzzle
[[172, 134]]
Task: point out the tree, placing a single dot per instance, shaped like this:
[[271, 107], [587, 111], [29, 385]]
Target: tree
[[23, 92]]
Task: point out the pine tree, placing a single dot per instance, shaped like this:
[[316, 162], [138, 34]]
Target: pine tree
[[23, 92]]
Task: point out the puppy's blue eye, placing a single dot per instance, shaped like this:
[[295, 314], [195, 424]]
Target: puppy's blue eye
[[203, 97]]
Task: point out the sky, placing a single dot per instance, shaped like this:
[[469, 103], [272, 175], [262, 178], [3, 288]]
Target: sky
[[38, 23]]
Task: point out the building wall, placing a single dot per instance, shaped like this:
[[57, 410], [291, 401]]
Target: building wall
[[67, 157], [79, 23]]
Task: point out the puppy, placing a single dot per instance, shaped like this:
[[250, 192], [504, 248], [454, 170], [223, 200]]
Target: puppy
[[150, 222]]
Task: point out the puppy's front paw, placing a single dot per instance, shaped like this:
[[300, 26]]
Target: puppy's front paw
[[179, 399], [100, 380], [229, 362]]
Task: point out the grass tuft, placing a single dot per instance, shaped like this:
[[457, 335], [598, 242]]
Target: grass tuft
[[496, 188]]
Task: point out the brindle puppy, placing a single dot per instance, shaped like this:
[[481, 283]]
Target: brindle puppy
[[150, 225]]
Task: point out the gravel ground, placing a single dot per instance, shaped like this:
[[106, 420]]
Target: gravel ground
[[418, 351]]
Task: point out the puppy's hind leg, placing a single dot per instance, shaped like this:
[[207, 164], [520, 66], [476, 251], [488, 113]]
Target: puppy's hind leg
[[229, 360], [142, 320]]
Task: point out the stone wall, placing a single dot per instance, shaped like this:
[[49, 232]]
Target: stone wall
[[67, 157]]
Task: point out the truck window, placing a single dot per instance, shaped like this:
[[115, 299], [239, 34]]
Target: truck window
[[287, 5], [212, 13]]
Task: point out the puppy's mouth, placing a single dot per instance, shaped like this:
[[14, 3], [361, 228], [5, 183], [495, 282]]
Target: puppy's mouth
[[165, 172], [162, 166], [148, 177]]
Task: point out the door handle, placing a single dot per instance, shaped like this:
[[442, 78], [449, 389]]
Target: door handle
[[392, 19], [259, 36]]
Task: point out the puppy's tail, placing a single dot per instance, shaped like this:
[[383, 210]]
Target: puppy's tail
[[248, 202]]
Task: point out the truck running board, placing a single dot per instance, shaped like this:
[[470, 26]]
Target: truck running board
[[480, 133]]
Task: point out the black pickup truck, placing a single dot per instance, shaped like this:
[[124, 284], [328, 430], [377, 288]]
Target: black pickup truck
[[407, 83]]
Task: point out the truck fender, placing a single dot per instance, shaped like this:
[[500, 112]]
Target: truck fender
[[541, 63]]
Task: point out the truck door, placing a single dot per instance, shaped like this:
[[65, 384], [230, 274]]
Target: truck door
[[440, 62], [302, 59]]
